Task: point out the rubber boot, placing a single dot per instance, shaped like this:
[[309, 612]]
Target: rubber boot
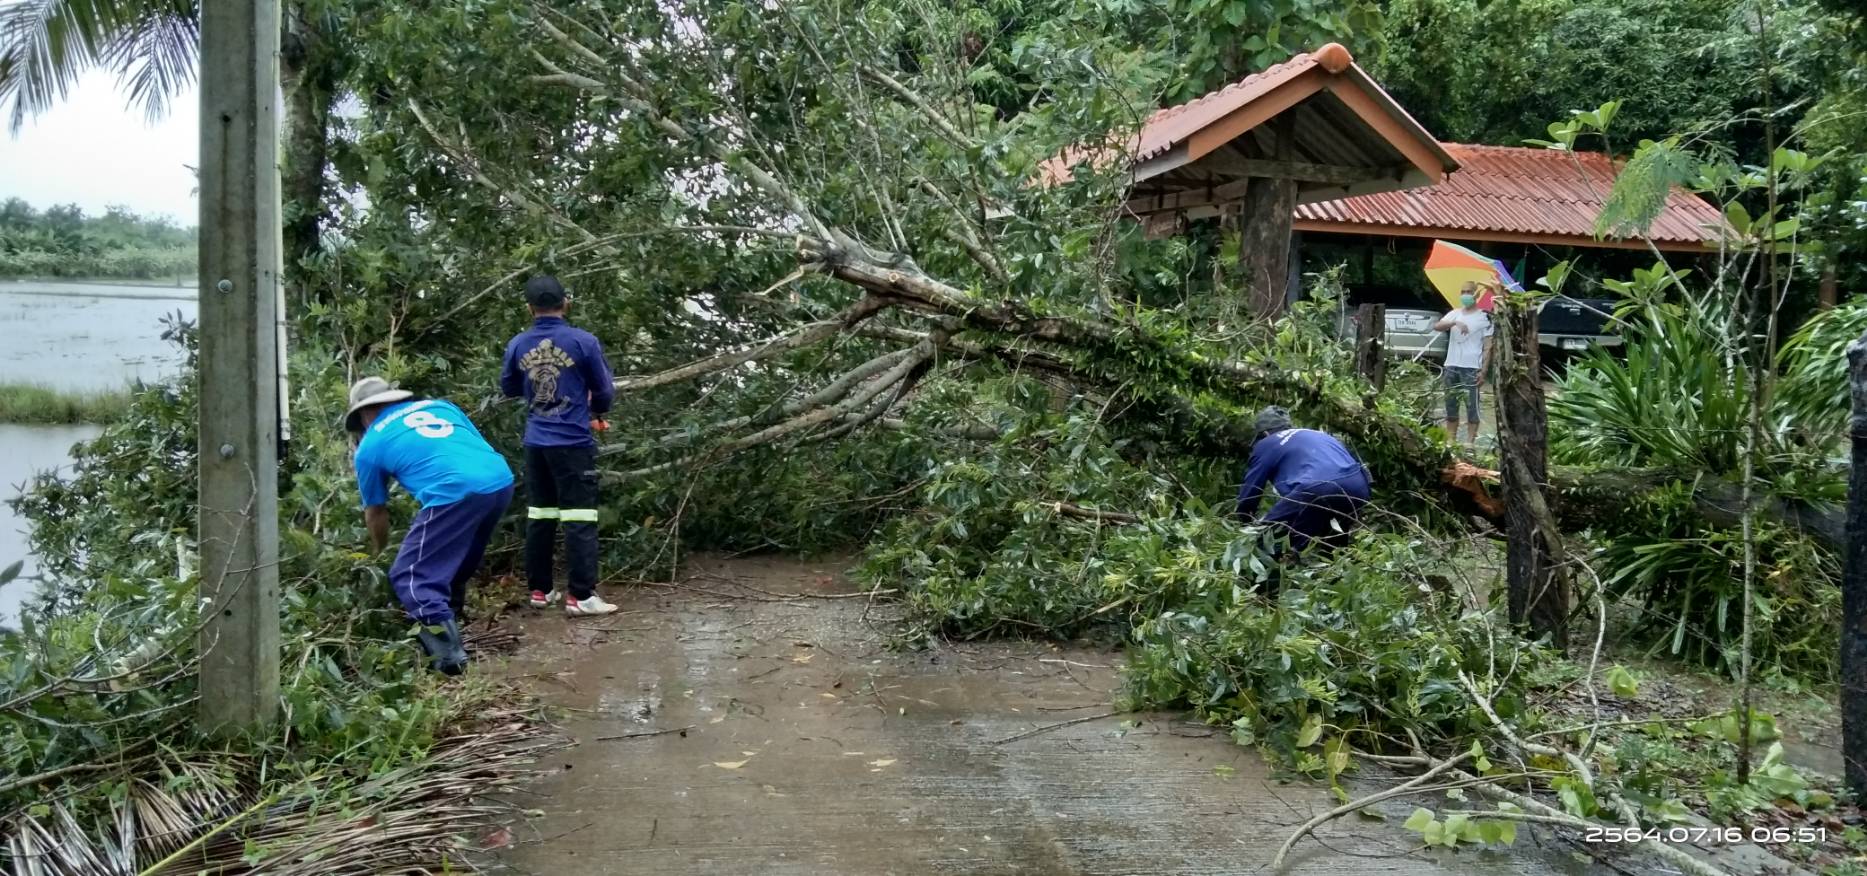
[[443, 643]]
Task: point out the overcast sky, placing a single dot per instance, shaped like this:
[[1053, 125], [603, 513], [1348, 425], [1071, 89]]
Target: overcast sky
[[95, 151]]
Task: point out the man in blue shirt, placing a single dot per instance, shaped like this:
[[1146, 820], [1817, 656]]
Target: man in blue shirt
[[559, 370], [463, 484], [1321, 486]]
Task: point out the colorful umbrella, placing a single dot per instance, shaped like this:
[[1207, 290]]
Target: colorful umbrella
[[1450, 266]]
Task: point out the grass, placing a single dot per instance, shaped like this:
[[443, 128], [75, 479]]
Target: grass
[[31, 404]]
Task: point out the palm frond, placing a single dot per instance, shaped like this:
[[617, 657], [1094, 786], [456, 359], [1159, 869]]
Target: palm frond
[[46, 45], [188, 816], [154, 56]]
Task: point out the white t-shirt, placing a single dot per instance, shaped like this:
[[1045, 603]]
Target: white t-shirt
[[1465, 340]]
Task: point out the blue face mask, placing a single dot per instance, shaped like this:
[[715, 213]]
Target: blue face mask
[[1467, 300]]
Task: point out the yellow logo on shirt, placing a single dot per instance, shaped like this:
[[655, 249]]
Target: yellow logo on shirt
[[543, 365]]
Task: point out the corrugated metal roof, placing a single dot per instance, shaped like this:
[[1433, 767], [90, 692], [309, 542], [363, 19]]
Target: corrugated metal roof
[[1512, 193]]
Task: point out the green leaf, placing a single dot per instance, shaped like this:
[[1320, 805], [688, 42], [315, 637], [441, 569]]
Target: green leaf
[[1312, 731], [1506, 832], [1622, 682], [1739, 217], [1236, 12], [1434, 833], [1418, 821]]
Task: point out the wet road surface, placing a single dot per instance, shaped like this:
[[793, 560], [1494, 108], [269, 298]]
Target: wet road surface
[[804, 745]]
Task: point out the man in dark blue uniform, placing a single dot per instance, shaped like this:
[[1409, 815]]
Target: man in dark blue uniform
[[559, 370], [1321, 486], [463, 484]]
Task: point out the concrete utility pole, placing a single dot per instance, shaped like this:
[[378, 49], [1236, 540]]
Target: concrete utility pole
[[240, 251]]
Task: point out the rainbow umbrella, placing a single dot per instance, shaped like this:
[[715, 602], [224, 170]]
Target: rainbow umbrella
[[1450, 266]]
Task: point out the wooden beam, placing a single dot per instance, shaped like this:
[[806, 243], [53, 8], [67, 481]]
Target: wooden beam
[[1234, 165], [1369, 110], [238, 430]]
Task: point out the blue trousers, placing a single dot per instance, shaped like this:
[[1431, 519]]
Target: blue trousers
[[443, 549], [1326, 512]]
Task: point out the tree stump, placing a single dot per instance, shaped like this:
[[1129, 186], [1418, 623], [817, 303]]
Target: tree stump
[[1854, 583], [1537, 582], [1371, 344]]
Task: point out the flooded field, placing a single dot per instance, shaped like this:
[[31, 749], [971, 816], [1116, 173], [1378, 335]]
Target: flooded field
[[72, 336], [88, 336]]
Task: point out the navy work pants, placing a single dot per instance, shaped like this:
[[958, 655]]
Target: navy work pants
[[1326, 513], [443, 549]]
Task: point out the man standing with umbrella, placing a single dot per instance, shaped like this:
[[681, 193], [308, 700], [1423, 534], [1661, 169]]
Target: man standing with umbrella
[[1468, 357]]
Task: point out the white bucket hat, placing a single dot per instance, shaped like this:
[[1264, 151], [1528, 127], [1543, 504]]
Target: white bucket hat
[[371, 391]]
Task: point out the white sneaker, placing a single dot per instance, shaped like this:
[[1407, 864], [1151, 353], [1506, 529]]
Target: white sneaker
[[591, 607], [541, 599]]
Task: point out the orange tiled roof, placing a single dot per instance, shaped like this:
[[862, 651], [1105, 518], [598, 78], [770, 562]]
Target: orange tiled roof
[[1176, 125], [1514, 194]]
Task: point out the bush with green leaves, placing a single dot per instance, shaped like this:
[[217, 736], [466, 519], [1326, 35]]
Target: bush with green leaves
[[1678, 398], [1359, 652]]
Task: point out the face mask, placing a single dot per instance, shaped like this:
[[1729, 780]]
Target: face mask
[[1467, 300]]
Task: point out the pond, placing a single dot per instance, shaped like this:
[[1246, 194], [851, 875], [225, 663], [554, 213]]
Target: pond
[[24, 451], [71, 336]]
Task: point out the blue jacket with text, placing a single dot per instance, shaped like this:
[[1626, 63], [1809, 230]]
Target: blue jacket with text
[[559, 370]]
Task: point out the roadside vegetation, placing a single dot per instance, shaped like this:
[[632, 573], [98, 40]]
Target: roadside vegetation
[[62, 242], [31, 404]]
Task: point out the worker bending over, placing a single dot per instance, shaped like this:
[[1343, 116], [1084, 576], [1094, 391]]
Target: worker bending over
[[1321, 486], [464, 485]]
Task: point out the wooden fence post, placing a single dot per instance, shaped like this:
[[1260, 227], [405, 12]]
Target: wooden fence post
[[1854, 584], [1371, 344], [1535, 559]]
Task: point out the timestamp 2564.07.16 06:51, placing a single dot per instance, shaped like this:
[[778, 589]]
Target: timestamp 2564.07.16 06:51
[[1706, 835]]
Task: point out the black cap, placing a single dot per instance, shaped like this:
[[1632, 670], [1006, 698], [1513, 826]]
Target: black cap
[[544, 292]]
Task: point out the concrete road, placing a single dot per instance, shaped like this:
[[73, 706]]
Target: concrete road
[[810, 747]]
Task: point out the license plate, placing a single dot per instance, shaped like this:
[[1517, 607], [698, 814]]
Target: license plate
[[1575, 343]]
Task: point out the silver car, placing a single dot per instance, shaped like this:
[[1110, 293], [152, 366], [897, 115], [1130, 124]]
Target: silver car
[[1410, 334]]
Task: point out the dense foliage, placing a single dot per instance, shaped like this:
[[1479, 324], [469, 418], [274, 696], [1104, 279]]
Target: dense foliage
[[63, 242], [1027, 415]]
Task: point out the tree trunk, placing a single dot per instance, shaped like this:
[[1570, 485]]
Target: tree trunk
[[1370, 344], [1264, 244], [1828, 290], [308, 88], [1854, 585], [1538, 587]]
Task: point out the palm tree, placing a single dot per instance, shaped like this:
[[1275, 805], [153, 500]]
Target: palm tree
[[152, 45], [45, 45]]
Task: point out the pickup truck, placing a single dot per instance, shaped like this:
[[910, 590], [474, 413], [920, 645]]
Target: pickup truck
[[1564, 325]]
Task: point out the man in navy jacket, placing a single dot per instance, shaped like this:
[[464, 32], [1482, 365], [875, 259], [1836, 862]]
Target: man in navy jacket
[[1321, 486], [559, 370]]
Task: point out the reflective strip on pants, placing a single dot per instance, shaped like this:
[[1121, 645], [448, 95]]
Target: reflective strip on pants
[[578, 515], [543, 513]]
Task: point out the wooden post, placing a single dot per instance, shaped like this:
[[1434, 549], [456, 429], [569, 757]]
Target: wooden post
[[1264, 222], [1828, 292], [1538, 585], [238, 429], [1371, 343], [1854, 584]]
